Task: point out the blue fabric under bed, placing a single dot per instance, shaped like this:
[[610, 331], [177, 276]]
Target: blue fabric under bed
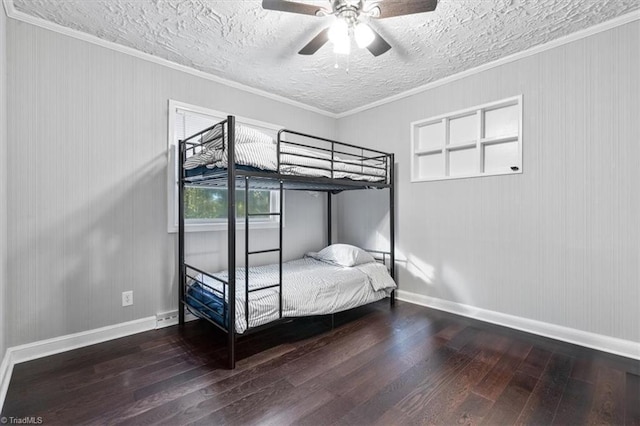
[[199, 293]]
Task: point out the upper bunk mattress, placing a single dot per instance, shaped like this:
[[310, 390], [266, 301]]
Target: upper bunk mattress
[[259, 151]]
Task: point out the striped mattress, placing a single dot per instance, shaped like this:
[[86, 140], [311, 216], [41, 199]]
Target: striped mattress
[[258, 150], [310, 287]]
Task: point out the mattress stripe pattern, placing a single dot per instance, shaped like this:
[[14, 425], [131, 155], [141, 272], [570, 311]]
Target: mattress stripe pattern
[[310, 287], [255, 149]]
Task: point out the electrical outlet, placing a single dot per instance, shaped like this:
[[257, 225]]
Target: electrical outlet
[[127, 298]]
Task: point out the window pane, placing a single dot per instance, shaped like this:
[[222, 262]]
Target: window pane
[[189, 123], [430, 136], [259, 202], [430, 165], [463, 129], [463, 162], [211, 203], [501, 122], [500, 157]]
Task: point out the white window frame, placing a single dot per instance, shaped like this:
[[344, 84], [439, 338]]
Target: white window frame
[[480, 142], [202, 225]]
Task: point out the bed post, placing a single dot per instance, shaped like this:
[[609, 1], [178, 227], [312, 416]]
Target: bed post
[[181, 267], [280, 238], [329, 216], [392, 225], [231, 235]]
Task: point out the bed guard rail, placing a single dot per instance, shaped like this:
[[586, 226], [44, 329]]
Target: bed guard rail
[[195, 296], [197, 291], [383, 257], [330, 158], [302, 153], [199, 141]]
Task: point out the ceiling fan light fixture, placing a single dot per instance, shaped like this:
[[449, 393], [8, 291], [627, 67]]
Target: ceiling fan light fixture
[[339, 36], [339, 32], [363, 34]]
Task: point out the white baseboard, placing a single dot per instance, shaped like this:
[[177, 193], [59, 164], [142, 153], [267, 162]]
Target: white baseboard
[[43, 348], [626, 348], [69, 342], [6, 368]]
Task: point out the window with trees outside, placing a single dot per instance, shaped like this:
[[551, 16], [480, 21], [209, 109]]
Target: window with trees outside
[[206, 208]]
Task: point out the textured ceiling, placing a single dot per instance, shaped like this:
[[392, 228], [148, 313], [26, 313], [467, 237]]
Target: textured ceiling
[[239, 41]]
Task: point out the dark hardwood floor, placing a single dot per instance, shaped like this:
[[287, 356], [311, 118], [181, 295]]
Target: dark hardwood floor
[[407, 365]]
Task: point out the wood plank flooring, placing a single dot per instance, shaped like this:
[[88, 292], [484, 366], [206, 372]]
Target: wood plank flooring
[[406, 365]]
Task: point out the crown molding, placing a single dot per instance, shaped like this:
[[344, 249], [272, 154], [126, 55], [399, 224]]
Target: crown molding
[[42, 23], [578, 35]]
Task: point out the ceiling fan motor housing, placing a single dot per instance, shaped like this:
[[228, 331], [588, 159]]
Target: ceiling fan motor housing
[[349, 10], [339, 4]]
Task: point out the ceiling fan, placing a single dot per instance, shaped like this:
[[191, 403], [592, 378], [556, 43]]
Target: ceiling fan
[[350, 20]]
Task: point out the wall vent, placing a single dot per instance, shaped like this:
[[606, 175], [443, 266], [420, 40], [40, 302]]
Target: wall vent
[[167, 319]]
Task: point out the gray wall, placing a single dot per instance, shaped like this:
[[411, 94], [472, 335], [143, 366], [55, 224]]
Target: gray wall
[[87, 189], [559, 243], [3, 179]]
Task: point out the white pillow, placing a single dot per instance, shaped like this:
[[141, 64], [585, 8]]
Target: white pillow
[[343, 255]]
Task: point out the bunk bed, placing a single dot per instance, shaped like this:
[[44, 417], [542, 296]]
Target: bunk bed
[[249, 298]]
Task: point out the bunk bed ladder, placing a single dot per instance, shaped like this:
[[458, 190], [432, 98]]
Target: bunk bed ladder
[[247, 252]]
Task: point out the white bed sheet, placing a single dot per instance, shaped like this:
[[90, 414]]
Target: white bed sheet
[[295, 161], [310, 287]]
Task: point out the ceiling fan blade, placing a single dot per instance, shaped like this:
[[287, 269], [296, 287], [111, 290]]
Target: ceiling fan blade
[[379, 45], [315, 44], [393, 8], [291, 6]]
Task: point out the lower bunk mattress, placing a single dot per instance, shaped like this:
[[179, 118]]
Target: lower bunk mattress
[[309, 287]]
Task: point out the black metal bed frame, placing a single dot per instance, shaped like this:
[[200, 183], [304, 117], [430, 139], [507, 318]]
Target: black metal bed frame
[[234, 177]]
